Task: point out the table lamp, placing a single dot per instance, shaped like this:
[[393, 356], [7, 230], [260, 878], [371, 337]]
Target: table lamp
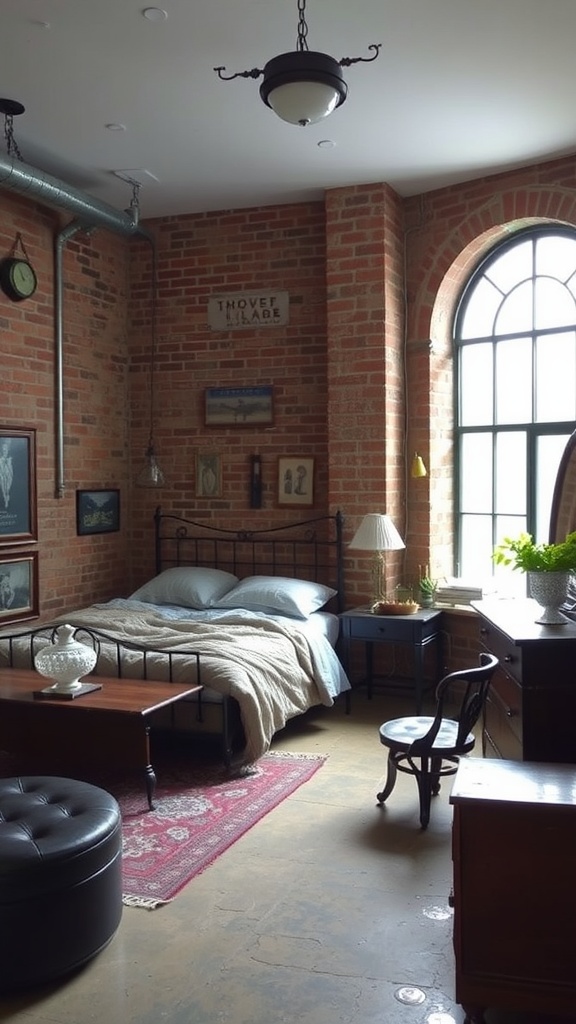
[[378, 534]]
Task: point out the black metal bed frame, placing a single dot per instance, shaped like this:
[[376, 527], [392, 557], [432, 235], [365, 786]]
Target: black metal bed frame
[[310, 549]]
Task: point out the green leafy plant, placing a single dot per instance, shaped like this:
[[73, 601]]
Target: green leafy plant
[[523, 553], [427, 585]]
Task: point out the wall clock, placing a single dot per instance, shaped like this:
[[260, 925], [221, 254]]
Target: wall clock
[[18, 278]]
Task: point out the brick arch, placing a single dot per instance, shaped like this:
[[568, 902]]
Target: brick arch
[[430, 365], [454, 262]]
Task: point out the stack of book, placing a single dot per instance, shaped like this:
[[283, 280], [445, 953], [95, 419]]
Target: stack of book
[[456, 591]]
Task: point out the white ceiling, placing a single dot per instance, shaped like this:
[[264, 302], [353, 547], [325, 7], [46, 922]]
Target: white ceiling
[[461, 88]]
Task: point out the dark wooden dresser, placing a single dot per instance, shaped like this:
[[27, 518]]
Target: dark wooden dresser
[[531, 708], [514, 837]]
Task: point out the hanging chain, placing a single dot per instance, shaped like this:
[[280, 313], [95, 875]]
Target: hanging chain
[[11, 144], [301, 43], [153, 340]]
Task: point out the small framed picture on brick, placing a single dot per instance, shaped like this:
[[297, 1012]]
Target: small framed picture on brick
[[208, 476], [295, 481], [97, 511]]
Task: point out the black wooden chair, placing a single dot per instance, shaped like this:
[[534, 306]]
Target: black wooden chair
[[430, 748]]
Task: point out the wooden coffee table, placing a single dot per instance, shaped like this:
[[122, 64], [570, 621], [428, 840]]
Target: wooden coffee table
[[109, 726]]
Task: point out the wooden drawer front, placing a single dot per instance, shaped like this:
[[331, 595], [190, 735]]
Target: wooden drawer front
[[508, 654], [379, 627], [503, 719]]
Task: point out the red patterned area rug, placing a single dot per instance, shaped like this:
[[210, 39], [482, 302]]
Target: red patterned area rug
[[199, 812]]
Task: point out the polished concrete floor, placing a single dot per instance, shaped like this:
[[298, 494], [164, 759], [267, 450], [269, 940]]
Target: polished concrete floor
[[330, 910]]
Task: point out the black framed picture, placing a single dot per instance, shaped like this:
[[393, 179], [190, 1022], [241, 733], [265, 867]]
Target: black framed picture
[[97, 511], [18, 514], [18, 586], [239, 407]]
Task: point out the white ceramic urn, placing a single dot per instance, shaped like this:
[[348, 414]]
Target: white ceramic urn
[[66, 661]]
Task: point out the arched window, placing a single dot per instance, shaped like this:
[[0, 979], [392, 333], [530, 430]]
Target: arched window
[[515, 348]]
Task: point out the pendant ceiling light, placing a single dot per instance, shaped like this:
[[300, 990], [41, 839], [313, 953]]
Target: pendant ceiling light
[[303, 86]]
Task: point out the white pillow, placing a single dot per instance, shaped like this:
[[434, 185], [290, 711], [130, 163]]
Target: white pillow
[[188, 586], [277, 594]]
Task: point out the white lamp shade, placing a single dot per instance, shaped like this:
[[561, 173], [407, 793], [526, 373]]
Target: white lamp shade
[[377, 533]]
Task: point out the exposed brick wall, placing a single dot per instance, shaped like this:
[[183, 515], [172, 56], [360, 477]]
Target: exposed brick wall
[[370, 276], [201, 256], [364, 265], [73, 570]]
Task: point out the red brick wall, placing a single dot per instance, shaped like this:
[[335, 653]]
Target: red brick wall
[[205, 255], [353, 265], [365, 366], [73, 570]]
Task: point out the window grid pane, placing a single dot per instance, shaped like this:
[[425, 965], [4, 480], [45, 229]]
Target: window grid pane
[[515, 339]]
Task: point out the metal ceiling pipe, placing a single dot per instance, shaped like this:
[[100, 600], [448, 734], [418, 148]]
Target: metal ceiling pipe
[[90, 213], [62, 237], [28, 181]]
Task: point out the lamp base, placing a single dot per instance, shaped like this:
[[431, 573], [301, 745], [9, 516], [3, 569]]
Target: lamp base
[[378, 593]]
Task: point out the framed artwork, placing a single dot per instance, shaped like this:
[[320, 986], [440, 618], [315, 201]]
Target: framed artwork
[[238, 407], [208, 476], [97, 511], [295, 481], [18, 586], [18, 514]]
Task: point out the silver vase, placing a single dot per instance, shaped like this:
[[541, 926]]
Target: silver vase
[[550, 590]]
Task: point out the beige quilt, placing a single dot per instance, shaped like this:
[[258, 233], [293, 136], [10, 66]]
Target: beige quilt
[[266, 666]]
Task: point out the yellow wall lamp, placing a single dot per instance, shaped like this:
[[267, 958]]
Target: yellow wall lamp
[[418, 469]]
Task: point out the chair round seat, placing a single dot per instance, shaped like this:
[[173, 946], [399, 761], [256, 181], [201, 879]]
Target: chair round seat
[[60, 876], [400, 733]]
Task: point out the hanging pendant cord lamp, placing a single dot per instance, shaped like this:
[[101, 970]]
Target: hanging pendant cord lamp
[[303, 86], [150, 475]]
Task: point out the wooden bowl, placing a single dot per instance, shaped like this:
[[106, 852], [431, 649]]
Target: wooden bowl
[[395, 607]]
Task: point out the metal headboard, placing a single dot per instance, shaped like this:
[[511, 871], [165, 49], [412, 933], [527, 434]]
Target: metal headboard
[[309, 549]]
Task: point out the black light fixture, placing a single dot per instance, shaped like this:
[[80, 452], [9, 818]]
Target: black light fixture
[[11, 109], [303, 86]]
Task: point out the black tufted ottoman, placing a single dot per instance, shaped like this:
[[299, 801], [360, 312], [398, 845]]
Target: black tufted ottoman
[[60, 876]]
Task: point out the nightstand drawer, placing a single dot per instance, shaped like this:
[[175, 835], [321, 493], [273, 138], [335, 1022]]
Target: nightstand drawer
[[392, 629]]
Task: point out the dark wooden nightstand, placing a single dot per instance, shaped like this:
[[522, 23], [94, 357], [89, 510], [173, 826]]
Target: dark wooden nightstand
[[416, 631]]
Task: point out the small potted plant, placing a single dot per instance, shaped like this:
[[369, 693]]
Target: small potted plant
[[427, 587], [548, 568]]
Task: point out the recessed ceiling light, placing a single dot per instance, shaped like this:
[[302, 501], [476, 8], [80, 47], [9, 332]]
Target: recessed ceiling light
[[155, 14], [326, 144], [113, 127], [133, 174]]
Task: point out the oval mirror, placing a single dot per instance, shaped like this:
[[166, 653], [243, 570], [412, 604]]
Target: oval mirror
[[563, 508]]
